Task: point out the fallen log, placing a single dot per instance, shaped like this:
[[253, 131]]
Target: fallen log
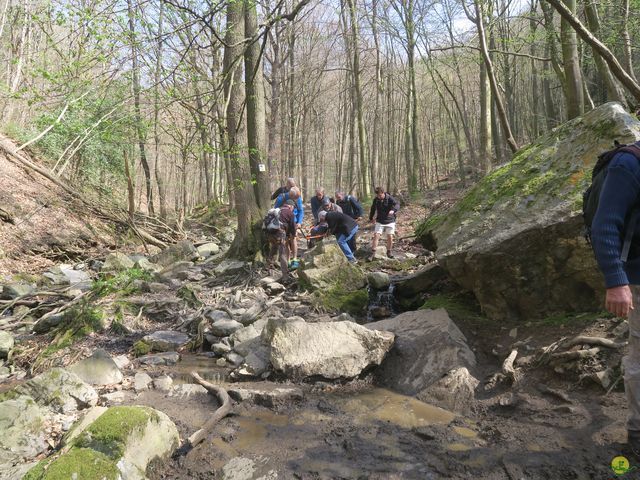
[[508, 369], [584, 340], [223, 410], [562, 357]]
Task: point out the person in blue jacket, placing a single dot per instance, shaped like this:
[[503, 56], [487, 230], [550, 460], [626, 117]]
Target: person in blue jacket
[[298, 213], [621, 194]]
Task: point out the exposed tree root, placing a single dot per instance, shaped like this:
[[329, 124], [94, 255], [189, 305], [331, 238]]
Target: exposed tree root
[[584, 340]]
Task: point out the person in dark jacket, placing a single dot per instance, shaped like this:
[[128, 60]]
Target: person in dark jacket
[[279, 240], [349, 204], [284, 189], [384, 208], [298, 212], [620, 194], [317, 202], [343, 227]]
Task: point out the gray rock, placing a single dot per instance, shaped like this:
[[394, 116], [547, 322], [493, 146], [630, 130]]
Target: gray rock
[[345, 317], [178, 270], [23, 436], [183, 250], [122, 361], [166, 358], [98, 369], [251, 315], [145, 265], [163, 383], [187, 390], [325, 266], [421, 281], [224, 328], [428, 345], [141, 381], [455, 391], [378, 280], [6, 343], [221, 362], [234, 359], [269, 395], [516, 239], [117, 262], [220, 348], [380, 253], [216, 315], [47, 324], [15, 290], [115, 398], [275, 322], [331, 350], [61, 390], [243, 334], [257, 361], [166, 340], [208, 249], [229, 267], [67, 275]]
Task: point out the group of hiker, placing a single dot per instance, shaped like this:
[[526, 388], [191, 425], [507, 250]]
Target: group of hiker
[[336, 216]]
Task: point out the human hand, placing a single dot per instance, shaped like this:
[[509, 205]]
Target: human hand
[[619, 300]]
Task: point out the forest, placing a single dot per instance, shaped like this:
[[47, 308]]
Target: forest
[[161, 106]]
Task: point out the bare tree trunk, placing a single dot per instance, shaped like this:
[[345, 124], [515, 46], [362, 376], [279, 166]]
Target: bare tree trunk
[[497, 98], [626, 40], [256, 115], [246, 241], [614, 91], [362, 140], [136, 105], [162, 194], [624, 78]]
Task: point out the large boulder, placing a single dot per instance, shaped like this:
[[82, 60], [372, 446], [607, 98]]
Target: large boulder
[[119, 444], [338, 285], [117, 262], [22, 425], [428, 345], [166, 340], [98, 369], [515, 240], [330, 350], [60, 390], [181, 251]]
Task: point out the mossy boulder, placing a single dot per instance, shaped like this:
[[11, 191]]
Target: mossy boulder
[[181, 251], [60, 390], [22, 423], [338, 285], [119, 444], [515, 239]]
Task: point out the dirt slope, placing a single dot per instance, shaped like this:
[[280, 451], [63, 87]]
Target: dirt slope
[[48, 225]]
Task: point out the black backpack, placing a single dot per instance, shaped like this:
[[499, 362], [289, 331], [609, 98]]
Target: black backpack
[[271, 222], [591, 196]]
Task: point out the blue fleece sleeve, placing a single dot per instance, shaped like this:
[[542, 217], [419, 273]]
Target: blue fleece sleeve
[[619, 195], [299, 211], [279, 201]]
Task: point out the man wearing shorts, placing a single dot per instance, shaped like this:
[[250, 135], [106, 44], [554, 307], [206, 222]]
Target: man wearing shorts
[[384, 208]]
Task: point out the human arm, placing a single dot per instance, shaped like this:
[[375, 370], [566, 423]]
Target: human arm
[[279, 201], [372, 211], [275, 194], [395, 205]]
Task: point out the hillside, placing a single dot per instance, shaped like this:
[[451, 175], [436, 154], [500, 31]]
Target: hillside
[[41, 224]]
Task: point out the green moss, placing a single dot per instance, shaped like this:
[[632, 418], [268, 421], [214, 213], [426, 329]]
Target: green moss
[[141, 348], [338, 300], [80, 463], [121, 283], [109, 433]]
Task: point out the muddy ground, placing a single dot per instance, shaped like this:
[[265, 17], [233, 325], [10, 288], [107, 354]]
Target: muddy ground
[[549, 425]]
